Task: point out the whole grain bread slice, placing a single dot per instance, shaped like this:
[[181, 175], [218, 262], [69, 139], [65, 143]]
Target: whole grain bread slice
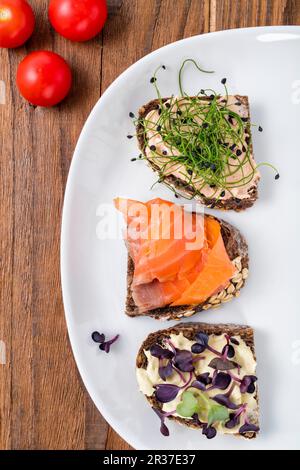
[[189, 330], [237, 249], [232, 203]]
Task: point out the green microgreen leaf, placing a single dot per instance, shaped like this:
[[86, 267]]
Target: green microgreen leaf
[[196, 402], [188, 405], [217, 413]]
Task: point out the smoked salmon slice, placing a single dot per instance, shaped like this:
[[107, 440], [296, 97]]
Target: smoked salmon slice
[[170, 240], [214, 276], [179, 257]]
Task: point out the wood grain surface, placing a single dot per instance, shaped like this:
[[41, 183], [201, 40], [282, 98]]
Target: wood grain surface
[[43, 404]]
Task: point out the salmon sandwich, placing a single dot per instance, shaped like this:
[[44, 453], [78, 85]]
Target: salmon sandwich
[[179, 262]]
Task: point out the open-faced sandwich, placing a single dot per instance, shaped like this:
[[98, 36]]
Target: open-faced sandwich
[[179, 262], [202, 376], [201, 146]]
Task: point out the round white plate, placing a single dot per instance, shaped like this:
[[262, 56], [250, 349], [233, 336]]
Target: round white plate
[[263, 63]]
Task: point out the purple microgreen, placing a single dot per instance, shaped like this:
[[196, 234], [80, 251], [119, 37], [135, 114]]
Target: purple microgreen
[[251, 388], [241, 410], [202, 344], [202, 338], [183, 360], [228, 351], [166, 392], [225, 401], [98, 337], [198, 348], [234, 377], [222, 364], [204, 378], [234, 341], [214, 351], [196, 420], [209, 431], [162, 416], [107, 344], [245, 382], [248, 384], [198, 385], [158, 351], [248, 427], [221, 381], [224, 352], [234, 420], [188, 380], [179, 373], [165, 371]]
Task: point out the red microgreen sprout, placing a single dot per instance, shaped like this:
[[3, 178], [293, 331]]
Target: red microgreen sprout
[[220, 381], [247, 383], [165, 371], [100, 338], [202, 344], [164, 393], [248, 427], [209, 431], [224, 399], [162, 416]]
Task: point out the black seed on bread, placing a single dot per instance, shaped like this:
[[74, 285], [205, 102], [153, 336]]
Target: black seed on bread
[[237, 249], [189, 330], [180, 185]]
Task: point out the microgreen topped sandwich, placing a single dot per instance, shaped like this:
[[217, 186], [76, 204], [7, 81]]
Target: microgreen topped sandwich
[[179, 262], [201, 146], [202, 376]]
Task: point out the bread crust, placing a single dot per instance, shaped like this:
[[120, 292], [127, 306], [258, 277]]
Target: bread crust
[[189, 330], [181, 186], [236, 247]]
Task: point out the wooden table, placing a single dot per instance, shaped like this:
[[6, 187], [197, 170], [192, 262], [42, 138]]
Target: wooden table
[[43, 404]]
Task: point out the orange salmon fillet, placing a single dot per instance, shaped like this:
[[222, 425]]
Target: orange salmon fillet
[[179, 258]]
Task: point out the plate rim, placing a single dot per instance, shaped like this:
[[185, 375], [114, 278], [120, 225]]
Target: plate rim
[[132, 440]]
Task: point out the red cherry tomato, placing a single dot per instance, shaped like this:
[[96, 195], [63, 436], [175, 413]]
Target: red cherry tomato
[[16, 22], [78, 20], [44, 78]]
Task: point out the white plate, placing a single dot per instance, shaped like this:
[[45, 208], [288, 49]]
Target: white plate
[[263, 63]]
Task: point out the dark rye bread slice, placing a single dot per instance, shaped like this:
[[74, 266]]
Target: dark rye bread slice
[[180, 185], [189, 330], [237, 249]]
